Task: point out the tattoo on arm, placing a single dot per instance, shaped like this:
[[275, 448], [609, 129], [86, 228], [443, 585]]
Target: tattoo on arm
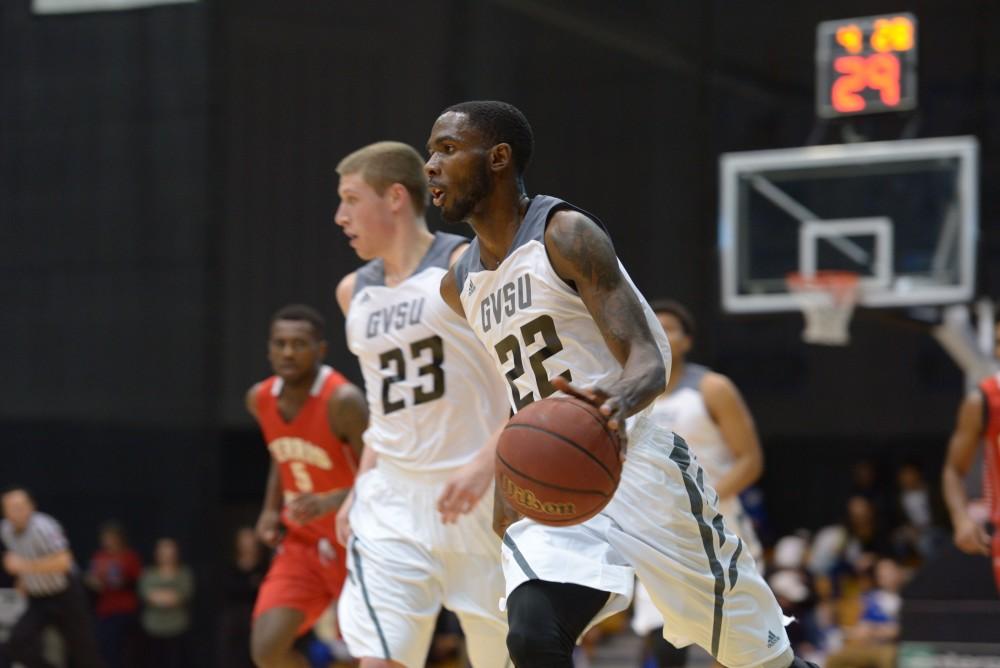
[[585, 257]]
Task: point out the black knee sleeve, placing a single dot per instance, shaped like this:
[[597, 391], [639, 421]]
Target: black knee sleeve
[[534, 637], [538, 647], [663, 654], [545, 619]]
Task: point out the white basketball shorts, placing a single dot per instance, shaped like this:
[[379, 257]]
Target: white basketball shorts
[[664, 527], [403, 564]]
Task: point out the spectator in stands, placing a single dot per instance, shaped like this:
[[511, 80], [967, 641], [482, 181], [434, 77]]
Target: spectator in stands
[[39, 558], [166, 589], [866, 537], [865, 482], [917, 534], [871, 643], [112, 575], [840, 553], [794, 588], [240, 583]]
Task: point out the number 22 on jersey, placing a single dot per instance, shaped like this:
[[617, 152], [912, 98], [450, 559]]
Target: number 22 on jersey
[[508, 350]]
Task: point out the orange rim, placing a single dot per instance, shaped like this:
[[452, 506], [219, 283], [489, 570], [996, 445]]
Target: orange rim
[[823, 280]]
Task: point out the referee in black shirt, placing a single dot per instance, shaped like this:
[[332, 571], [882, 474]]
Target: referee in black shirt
[[37, 555]]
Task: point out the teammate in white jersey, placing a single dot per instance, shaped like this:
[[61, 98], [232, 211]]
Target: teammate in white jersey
[[544, 292], [421, 537], [707, 410]]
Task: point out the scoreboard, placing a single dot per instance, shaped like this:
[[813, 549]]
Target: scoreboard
[[866, 65]]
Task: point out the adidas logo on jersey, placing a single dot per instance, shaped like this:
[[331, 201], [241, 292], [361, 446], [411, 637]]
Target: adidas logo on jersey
[[472, 287], [772, 639], [365, 297]]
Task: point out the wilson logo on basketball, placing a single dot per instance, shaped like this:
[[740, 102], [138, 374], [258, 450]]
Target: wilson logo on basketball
[[527, 499]]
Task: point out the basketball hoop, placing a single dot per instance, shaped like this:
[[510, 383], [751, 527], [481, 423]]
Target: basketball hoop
[[826, 299]]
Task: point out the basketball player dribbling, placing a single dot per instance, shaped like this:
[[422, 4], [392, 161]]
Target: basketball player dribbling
[[978, 423], [707, 409], [418, 536], [312, 419], [571, 315]]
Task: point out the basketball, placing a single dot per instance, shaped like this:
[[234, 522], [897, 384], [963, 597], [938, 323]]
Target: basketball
[[558, 462]]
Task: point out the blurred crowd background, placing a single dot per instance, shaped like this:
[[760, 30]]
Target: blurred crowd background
[[840, 581]]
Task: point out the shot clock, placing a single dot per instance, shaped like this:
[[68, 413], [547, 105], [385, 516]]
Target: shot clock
[[866, 65]]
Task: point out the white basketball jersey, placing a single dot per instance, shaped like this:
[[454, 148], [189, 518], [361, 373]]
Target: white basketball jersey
[[432, 397], [684, 412], [535, 325]]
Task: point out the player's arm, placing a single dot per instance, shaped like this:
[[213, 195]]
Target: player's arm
[[343, 519], [366, 456], [457, 253], [732, 417], [582, 254], [464, 489], [969, 536], [269, 520], [450, 292], [345, 291], [56, 562], [467, 486], [347, 412]]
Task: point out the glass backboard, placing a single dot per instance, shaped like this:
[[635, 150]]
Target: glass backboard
[[903, 215]]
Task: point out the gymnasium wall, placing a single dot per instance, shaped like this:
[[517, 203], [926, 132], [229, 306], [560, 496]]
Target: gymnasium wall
[[167, 182], [106, 406], [631, 110]]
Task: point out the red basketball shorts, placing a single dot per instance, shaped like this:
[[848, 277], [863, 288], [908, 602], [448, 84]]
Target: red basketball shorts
[[303, 576]]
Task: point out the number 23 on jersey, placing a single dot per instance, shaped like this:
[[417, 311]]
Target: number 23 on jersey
[[429, 355]]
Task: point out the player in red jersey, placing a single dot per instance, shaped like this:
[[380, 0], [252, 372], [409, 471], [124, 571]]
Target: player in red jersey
[[978, 422], [312, 419]]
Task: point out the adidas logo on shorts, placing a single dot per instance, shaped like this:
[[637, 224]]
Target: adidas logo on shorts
[[772, 639]]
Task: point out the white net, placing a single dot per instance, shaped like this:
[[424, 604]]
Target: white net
[[827, 300]]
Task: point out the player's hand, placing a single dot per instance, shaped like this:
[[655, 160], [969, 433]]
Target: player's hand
[[14, 564], [611, 407], [342, 524], [463, 490], [971, 538], [268, 527], [306, 507]]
